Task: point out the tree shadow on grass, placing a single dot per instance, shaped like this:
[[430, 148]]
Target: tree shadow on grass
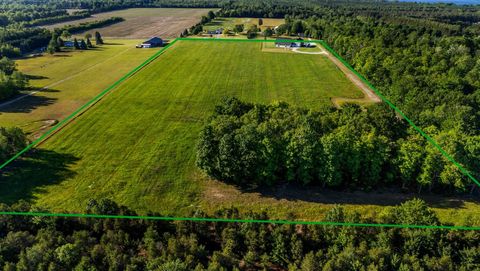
[[214, 23], [35, 77], [32, 173], [97, 48], [40, 89], [380, 197], [27, 104], [113, 43]]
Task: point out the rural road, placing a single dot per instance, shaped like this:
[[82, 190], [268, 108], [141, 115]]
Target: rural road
[[367, 91]]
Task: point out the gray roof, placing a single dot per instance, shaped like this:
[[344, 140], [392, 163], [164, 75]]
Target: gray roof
[[154, 40]]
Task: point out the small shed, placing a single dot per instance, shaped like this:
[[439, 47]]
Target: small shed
[[153, 42], [215, 32]]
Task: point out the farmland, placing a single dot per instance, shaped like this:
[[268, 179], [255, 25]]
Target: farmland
[[67, 80], [144, 22], [229, 23], [138, 145]]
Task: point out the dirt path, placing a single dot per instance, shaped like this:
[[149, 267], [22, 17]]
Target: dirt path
[[60, 81], [370, 95], [309, 53]]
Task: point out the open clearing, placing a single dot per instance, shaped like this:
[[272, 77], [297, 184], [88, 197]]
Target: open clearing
[[144, 22], [137, 146], [65, 81]]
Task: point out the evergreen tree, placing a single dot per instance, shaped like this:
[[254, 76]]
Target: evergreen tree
[[83, 45], [211, 15], [60, 42], [98, 38], [89, 43], [76, 45], [53, 45]]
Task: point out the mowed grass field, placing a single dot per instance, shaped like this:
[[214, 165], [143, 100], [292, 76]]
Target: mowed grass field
[[144, 22], [70, 79], [137, 146]]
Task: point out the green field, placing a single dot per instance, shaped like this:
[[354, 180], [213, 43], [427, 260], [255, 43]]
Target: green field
[[70, 78], [137, 145]]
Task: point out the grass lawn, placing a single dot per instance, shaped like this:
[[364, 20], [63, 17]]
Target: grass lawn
[[137, 146], [71, 79], [144, 22]]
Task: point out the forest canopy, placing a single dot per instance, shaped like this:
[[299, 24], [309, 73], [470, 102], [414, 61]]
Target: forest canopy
[[60, 243], [351, 147]]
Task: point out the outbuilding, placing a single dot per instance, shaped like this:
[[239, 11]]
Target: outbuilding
[[153, 42]]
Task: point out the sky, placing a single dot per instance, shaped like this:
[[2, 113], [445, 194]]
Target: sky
[[460, 2]]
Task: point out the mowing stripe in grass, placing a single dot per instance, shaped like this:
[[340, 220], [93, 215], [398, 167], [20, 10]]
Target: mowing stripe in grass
[[85, 106], [228, 220], [379, 94]]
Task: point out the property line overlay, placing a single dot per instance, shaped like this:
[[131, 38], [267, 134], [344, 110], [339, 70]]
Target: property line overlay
[[95, 99], [102, 94], [228, 220]]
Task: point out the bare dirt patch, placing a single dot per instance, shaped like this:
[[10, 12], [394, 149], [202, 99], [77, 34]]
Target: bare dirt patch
[[148, 27], [144, 22], [311, 203]]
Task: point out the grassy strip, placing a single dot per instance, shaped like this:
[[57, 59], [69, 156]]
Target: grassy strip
[[257, 221], [283, 221]]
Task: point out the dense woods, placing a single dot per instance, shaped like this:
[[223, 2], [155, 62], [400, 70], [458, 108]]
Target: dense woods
[[11, 80], [249, 144], [12, 140], [424, 58], [55, 243]]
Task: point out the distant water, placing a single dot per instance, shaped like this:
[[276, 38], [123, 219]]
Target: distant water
[[458, 2]]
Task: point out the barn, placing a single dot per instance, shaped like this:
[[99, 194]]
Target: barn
[[153, 42]]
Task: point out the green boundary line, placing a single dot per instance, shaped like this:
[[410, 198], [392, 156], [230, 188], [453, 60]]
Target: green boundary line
[[429, 139], [323, 43], [228, 220], [326, 223], [92, 101]]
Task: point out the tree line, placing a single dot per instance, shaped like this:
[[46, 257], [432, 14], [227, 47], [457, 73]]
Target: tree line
[[254, 144], [60, 18], [11, 80], [89, 25], [60, 243], [423, 58]]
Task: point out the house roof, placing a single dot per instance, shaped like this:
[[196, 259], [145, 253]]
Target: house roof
[[153, 40]]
